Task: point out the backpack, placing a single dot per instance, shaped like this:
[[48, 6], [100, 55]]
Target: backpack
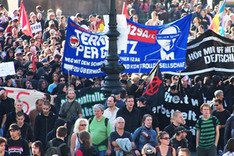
[[53, 149], [91, 119]]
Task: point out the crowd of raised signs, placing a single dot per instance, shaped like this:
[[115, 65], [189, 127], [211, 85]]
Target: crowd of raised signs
[[46, 49]]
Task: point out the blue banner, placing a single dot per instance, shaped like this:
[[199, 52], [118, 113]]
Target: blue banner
[[84, 52], [149, 44]]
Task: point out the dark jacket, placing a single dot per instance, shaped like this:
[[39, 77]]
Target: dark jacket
[[43, 124], [132, 119]]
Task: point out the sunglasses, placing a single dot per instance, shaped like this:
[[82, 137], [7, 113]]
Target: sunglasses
[[83, 125], [216, 105], [167, 138], [62, 80]]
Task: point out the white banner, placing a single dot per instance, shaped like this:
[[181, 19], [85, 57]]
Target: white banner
[[36, 28], [12, 5], [121, 28], [7, 68], [28, 97]]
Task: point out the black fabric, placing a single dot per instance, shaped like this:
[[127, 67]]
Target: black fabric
[[132, 119], [114, 135], [18, 147], [64, 149]]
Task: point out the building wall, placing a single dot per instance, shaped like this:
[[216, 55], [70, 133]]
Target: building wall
[[71, 7]]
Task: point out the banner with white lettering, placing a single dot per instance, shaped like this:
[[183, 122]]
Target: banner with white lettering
[[189, 106], [87, 97], [84, 52], [28, 97], [211, 53], [149, 44], [7, 68], [36, 27]]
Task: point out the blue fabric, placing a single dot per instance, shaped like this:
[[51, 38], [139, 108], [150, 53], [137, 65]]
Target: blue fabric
[[140, 140]]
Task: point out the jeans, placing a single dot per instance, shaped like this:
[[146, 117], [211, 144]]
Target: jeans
[[211, 151], [102, 153]]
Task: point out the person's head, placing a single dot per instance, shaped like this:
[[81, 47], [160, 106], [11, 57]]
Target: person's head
[[98, 110], [141, 101], [230, 145], [184, 152], [218, 104], [18, 105], [181, 132], [201, 29], [62, 79], [119, 123], [81, 124], [71, 95], [205, 109], [129, 102], [154, 15], [177, 118], [135, 18], [55, 76], [147, 120], [47, 97], [219, 94], [3, 94], [14, 131], [85, 139], [3, 142], [20, 118], [46, 108], [163, 138], [99, 18], [111, 101], [61, 132], [37, 148], [39, 104]]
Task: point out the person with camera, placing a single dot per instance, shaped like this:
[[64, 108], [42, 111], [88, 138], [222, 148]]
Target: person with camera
[[70, 110], [44, 123]]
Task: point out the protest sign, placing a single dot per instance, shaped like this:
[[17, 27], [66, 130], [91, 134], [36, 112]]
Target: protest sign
[[36, 27], [7, 68]]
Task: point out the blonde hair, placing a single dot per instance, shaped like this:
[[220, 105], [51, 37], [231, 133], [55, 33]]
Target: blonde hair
[[77, 124]]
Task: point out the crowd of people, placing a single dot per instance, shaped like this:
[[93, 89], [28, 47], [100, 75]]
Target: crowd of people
[[124, 125]]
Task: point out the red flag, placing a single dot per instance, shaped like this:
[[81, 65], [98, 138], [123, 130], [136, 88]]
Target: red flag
[[125, 10], [23, 19]]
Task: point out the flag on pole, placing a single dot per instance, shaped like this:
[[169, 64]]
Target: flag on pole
[[23, 19], [154, 91], [215, 24], [125, 10]]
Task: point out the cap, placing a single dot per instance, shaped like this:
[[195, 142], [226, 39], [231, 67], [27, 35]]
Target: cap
[[142, 99], [181, 129], [185, 78], [20, 39], [15, 20], [14, 126]]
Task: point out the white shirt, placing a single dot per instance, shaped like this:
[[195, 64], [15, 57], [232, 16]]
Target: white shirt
[[111, 116]]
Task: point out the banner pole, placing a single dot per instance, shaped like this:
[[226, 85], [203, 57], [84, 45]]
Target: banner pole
[[148, 75]]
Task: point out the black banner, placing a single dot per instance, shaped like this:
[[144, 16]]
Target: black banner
[[211, 53]]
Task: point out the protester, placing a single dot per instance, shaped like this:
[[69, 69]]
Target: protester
[[81, 124], [207, 137], [163, 147], [100, 129], [3, 143], [117, 146], [37, 149], [144, 134]]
